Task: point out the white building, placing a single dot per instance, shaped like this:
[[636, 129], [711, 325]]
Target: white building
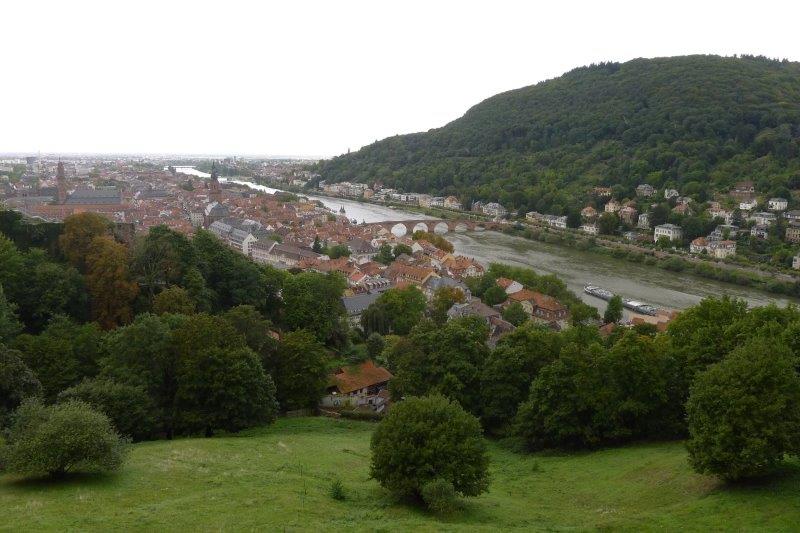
[[777, 204], [764, 218], [494, 209], [670, 231], [591, 229], [748, 205]]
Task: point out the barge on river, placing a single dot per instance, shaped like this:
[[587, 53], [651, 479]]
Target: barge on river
[[633, 305]]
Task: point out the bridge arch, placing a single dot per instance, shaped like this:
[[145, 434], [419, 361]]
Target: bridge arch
[[419, 226], [441, 228], [460, 227], [399, 229]]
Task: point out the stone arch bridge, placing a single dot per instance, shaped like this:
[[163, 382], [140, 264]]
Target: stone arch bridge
[[407, 227]]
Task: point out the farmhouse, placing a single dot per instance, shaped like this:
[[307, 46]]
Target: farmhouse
[[358, 386]]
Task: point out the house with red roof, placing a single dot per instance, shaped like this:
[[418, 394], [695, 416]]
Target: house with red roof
[[361, 385]]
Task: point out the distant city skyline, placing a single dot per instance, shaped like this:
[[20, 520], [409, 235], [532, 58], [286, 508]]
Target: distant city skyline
[[314, 79]]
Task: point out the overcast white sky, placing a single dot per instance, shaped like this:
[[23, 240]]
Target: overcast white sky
[[316, 78]]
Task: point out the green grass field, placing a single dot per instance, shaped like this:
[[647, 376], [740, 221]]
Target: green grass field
[[278, 478]]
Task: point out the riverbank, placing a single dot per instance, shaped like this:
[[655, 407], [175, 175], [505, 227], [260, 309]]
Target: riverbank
[[584, 261], [779, 283], [775, 283]]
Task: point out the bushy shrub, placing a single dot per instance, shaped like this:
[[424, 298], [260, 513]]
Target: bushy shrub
[[422, 439], [337, 490], [367, 416], [440, 496], [59, 439], [128, 407]]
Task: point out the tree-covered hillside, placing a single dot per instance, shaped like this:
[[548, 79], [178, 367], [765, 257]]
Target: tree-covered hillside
[[696, 123]]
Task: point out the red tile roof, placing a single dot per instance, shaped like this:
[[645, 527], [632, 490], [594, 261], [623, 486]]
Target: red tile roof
[[352, 378]]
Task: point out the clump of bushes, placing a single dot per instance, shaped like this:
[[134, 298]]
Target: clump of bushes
[[128, 407], [440, 496], [744, 412], [59, 439]]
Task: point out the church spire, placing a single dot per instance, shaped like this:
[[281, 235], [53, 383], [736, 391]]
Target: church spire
[[216, 191], [61, 183]]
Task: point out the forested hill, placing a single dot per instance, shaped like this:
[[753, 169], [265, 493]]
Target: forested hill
[[696, 123]]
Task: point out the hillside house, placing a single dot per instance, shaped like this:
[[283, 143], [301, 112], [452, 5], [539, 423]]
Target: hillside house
[[777, 204], [670, 231], [743, 190], [451, 202], [495, 210], [628, 215], [761, 231], [793, 232], [358, 386], [612, 206], [748, 204], [645, 190]]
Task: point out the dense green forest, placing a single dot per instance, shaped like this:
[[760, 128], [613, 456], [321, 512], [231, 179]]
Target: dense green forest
[[695, 123]]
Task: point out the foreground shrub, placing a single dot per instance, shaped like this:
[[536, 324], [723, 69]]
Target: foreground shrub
[[337, 490], [59, 439], [128, 407], [440, 496], [744, 412], [426, 439]]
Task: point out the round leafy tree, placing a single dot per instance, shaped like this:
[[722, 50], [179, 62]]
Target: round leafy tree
[[426, 439], [744, 412], [59, 439]]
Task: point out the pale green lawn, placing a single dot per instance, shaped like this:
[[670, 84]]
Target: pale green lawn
[[277, 478]]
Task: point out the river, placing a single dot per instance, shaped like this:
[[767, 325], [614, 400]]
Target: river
[[576, 268]]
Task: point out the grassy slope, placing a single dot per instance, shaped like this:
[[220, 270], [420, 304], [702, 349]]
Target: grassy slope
[[277, 478]]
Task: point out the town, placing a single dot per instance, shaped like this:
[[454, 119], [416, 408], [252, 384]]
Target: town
[[283, 230], [662, 219]]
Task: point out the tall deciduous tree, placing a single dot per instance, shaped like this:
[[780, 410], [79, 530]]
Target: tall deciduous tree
[[299, 369], [613, 313], [443, 360], [17, 382], [312, 302], [110, 287], [80, 230], [63, 354], [175, 300], [744, 412], [510, 368]]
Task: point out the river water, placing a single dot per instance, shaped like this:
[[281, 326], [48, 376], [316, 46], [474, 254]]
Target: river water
[[576, 268]]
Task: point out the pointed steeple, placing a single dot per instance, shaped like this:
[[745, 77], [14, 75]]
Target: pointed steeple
[[215, 195], [61, 183]]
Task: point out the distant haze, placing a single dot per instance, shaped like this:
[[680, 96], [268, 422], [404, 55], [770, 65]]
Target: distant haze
[[316, 78]]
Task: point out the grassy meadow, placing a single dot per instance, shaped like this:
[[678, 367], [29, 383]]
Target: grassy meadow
[[278, 479]]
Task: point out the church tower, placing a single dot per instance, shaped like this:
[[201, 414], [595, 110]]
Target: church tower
[[215, 195], [61, 184]]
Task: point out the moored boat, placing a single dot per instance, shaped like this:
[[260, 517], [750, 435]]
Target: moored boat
[[633, 305]]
